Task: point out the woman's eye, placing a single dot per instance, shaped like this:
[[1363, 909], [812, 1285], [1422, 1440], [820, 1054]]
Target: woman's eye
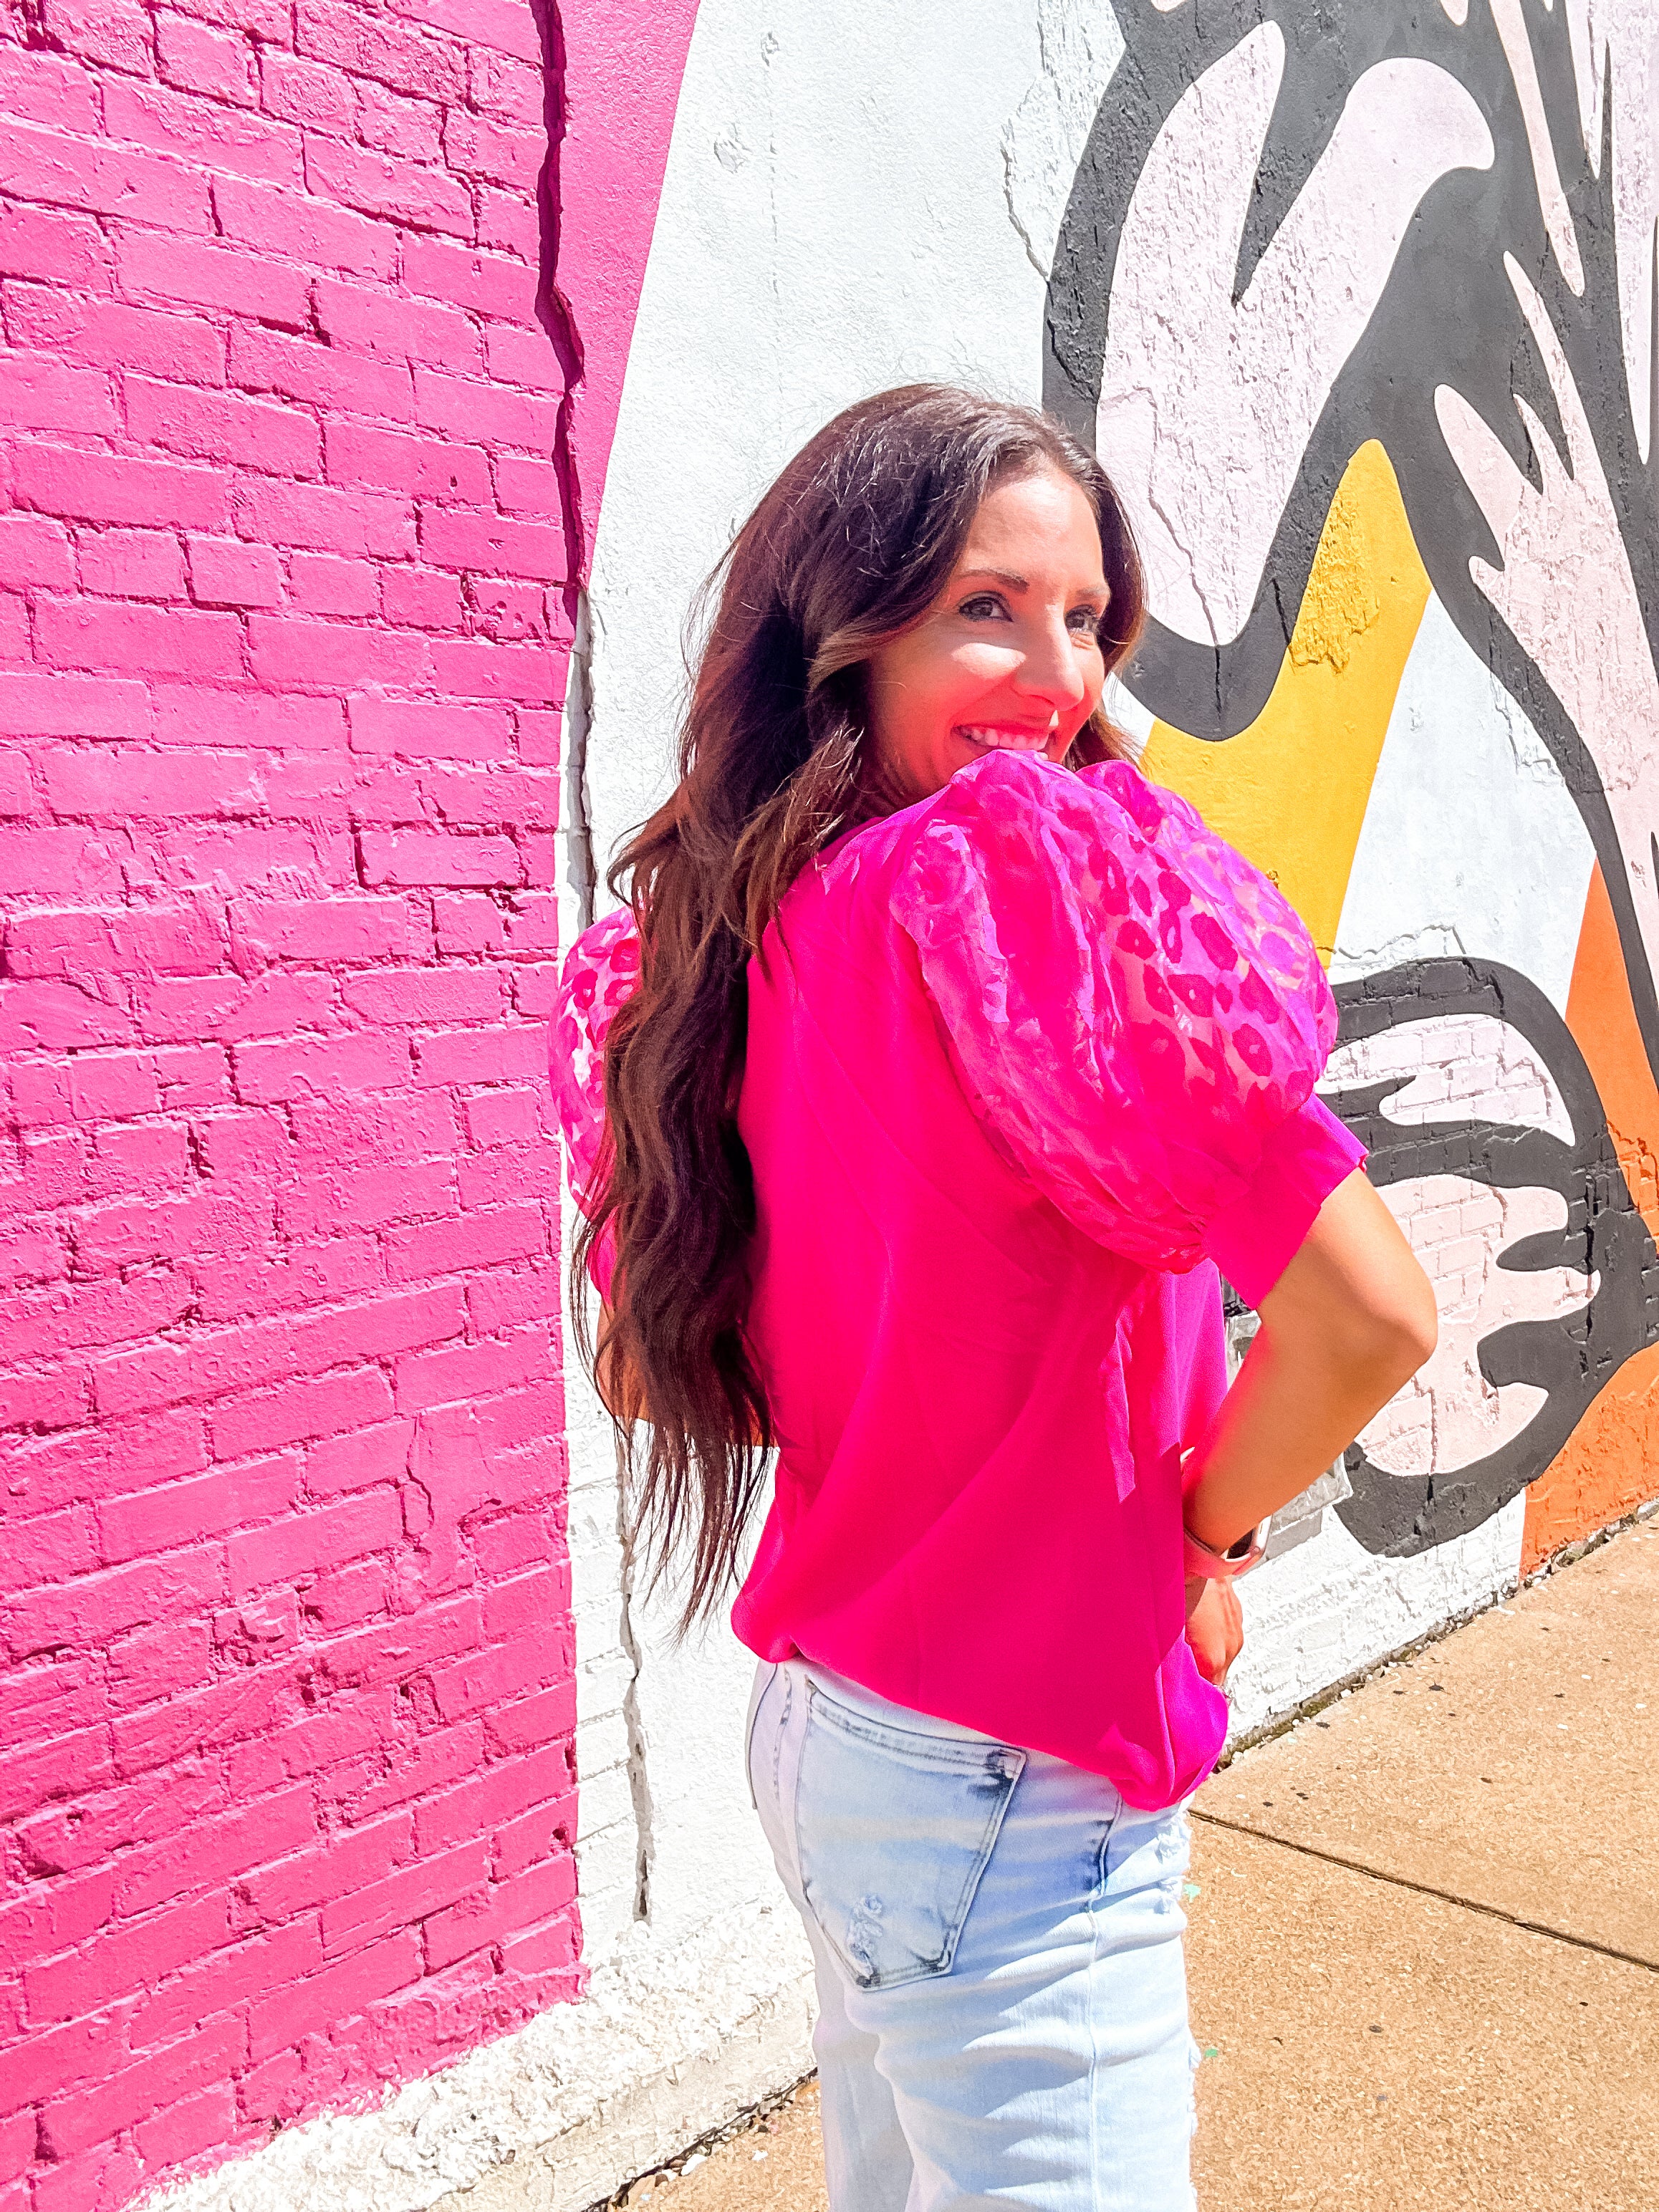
[[984, 606], [1085, 621]]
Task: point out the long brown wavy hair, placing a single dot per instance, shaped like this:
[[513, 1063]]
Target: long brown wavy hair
[[853, 543]]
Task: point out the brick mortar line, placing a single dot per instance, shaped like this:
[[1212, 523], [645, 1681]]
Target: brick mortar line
[[1428, 1889]]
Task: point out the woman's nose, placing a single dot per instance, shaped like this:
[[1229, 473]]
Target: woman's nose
[[1049, 670]]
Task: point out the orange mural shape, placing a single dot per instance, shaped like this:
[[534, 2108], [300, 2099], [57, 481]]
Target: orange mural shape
[[1605, 1469]]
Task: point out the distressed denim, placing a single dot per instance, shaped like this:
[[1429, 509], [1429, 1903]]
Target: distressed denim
[[997, 1935]]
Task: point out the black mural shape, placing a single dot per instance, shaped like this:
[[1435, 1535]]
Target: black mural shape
[[1571, 1357], [1448, 315]]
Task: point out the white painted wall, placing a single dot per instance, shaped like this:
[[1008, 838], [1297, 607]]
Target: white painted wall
[[1461, 752]]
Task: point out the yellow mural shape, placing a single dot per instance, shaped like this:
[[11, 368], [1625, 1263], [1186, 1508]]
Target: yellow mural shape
[[1291, 789]]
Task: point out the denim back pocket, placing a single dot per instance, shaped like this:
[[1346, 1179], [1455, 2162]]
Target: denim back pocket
[[893, 1830]]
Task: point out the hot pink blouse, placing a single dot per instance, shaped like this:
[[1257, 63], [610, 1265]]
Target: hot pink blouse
[[1026, 1062]]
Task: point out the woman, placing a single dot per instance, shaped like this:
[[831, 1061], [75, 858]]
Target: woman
[[936, 1064]]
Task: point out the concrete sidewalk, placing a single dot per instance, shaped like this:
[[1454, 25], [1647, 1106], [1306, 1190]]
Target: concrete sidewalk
[[1425, 1935]]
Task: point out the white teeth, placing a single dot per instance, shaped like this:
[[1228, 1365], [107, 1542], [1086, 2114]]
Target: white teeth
[[1012, 741]]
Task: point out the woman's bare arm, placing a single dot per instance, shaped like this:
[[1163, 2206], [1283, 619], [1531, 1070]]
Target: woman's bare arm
[[1351, 1319]]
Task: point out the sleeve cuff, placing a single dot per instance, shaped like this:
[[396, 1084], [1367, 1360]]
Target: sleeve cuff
[[1252, 1241]]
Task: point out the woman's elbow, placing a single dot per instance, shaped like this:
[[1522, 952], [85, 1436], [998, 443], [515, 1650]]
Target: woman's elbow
[[1395, 1335], [1357, 1290], [1352, 1310]]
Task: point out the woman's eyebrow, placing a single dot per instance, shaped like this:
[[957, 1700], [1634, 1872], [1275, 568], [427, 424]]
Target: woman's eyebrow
[[1100, 592], [1002, 575]]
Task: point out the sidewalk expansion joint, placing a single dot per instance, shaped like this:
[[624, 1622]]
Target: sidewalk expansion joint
[[1427, 1889]]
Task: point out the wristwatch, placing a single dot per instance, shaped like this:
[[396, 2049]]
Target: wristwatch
[[1240, 1556]]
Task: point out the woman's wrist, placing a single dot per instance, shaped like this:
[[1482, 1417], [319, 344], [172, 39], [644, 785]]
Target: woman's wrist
[[1218, 1563], [1204, 1514], [1219, 1544]]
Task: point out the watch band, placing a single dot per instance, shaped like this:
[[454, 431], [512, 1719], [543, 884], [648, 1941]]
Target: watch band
[[1240, 1556]]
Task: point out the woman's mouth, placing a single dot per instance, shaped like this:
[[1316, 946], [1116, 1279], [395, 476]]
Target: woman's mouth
[[1005, 737]]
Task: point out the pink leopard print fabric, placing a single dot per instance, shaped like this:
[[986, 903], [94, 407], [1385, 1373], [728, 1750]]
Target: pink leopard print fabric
[[1131, 1007], [600, 970]]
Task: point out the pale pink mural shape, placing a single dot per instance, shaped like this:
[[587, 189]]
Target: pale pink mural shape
[[1551, 197], [1207, 403], [1464, 1068], [1561, 546], [1449, 1415], [1618, 40]]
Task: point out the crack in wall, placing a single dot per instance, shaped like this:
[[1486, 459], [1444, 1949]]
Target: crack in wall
[[639, 1777], [557, 318], [553, 310], [1010, 155], [581, 870], [1079, 48]]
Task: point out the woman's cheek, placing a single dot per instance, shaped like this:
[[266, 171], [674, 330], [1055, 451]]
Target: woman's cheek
[[985, 664]]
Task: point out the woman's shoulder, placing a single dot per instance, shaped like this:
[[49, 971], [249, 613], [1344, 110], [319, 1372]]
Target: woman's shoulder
[[1018, 833], [1017, 866], [1041, 846], [1108, 803], [1015, 824], [1024, 790], [1007, 789]]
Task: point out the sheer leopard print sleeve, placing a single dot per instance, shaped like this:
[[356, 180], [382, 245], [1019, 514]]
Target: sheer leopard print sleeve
[[1132, 1009]]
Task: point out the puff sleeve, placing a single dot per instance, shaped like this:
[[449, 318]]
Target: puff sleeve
[[1136, 1014], [601, 969]]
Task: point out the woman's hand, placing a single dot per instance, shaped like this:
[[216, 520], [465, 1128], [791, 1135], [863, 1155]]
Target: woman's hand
[[1215, 1627]]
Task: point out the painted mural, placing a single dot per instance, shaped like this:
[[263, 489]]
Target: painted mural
[[1357, 305]]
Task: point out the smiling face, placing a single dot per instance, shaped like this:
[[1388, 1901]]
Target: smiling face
[[1008, 656]]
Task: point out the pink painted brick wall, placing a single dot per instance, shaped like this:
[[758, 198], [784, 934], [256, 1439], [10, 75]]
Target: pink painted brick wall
[[286, 1696]]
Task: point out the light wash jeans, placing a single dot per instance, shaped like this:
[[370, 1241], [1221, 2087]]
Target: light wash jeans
[[1002, 1996]]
